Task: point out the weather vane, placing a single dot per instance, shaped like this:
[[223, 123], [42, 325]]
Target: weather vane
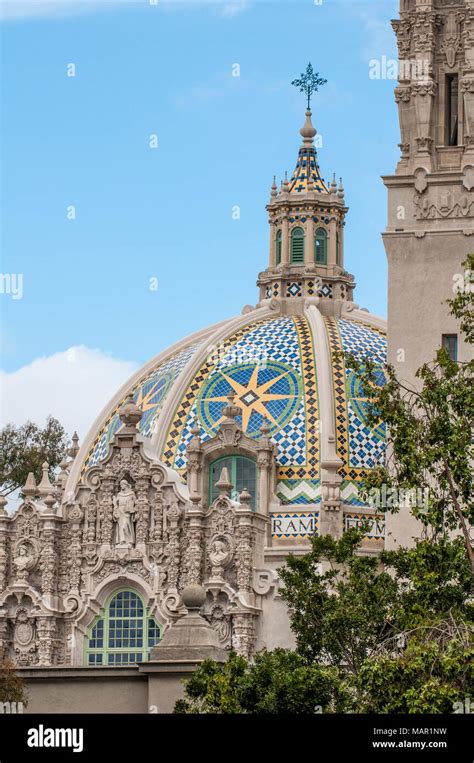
[[309, 83]]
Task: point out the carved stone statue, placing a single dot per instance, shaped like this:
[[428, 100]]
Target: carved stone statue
[[23, 561], [219, 552], [124, 510]]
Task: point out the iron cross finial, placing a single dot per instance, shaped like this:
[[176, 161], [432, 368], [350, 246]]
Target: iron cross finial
[[309, 83]]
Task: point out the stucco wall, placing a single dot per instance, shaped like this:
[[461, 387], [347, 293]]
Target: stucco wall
[[132, 689]]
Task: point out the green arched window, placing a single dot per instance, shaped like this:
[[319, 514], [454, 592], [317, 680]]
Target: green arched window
[[297, 245], [123, 633], [321, 247], [278, 247], [242, 473]]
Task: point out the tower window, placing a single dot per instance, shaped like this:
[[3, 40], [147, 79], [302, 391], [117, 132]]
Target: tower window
[[242, 474], [451, 126], [450, 343], [124, 632], [337, 249], [278, 247], [320, 247], [297, 245]]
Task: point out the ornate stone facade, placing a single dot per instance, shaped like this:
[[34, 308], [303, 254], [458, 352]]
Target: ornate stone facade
[[129, 521]]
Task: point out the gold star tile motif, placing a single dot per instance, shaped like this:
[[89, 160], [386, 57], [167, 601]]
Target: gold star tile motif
[[251, 398]]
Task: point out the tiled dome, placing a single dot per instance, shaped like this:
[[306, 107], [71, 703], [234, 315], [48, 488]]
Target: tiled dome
[[280, 367]]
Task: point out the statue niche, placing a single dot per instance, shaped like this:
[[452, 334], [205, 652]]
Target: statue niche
[[124, 502]]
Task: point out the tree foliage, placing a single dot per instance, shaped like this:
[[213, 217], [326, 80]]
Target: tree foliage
[[12, 688], [277, 682], [24, 449]]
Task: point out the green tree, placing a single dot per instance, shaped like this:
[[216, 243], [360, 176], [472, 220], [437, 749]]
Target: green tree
[[277, 682], [428, 671], [24, 449], [12, 688], [339, 614]]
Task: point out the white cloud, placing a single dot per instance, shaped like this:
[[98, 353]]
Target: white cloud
[[73, 386], [232, 8]]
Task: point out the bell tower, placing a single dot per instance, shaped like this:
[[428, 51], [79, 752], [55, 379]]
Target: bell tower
[[307, 217], [430, 225]]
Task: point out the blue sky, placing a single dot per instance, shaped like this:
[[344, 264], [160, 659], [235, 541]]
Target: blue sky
[[167, 212]]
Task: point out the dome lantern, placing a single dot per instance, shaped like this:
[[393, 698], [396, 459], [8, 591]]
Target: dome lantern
[[307, 219]]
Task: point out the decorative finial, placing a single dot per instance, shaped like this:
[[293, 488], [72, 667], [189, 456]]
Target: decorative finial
[[245, 497], [30, 489], [74, 449], [45, 487], [49, 502], [309, 83], [223, 484], [231, 411], [340, 190], [273, 191], [333, 184], [130, 414]]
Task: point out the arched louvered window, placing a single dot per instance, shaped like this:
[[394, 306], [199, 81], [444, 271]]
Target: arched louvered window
[[278, 247], [321, 247], [297, 245]]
